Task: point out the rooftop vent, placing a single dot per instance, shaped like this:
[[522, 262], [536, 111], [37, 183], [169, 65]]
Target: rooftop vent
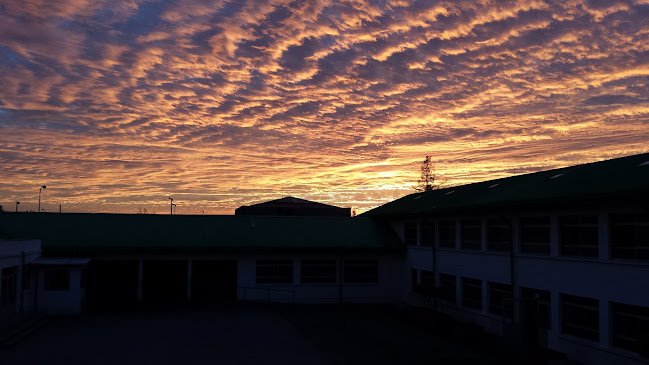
[[646, 163], [556, 176]]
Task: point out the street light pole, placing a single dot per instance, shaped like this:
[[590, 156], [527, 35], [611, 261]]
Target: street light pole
[[174, 205], [171, 206], [39, 197], [17, 204]]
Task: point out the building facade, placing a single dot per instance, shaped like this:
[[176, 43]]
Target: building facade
[[562, 263]]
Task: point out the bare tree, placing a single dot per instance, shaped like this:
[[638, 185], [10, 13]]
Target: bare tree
[[427, 178]]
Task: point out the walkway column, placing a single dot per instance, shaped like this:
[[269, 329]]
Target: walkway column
[[140, 275], [189, 280]]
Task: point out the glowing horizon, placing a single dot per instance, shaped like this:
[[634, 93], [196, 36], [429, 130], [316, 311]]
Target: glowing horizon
[[117, 105]]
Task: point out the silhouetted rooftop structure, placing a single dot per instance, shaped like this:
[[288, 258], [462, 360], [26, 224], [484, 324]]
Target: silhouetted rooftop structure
[[291, 206], [591, 183], [89, 234]]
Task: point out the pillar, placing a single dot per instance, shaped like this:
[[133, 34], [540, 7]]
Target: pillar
[[140, 275], [189, 280]]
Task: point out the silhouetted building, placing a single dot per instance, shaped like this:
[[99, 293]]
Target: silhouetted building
[[559, 257], [290, 206]]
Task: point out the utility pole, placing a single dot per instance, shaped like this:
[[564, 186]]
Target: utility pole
[[171, 206], [39, 197], [17, 204]]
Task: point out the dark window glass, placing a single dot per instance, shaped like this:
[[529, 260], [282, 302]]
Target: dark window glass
[[499, 235], [471, 235], [631, 327], [472, 293], [410, 233], [447, 287], [578, 236], [361, 271], [318, 272], [57, 280], [274, 271], [447, 234], [413, 279], [535, 235], [536, 307], [580, 317], [629, 236], [501, 301], [427, 233], [9, 286], [427, 280]]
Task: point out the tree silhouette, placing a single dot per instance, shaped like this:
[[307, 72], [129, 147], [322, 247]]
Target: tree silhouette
[[427, 178]]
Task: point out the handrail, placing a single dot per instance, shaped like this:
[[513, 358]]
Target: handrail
[[269, 290]]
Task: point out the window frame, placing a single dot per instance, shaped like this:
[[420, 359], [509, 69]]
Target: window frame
[[538, 223], [276, 276], [49, 281], [470, 223], [443, 225], [640, 226], [578, 227], [373, 266], [572, 303], [471, 303], [313, 264], [499, 246]]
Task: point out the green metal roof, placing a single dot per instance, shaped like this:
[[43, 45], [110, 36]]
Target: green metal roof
[[88, 234], [625, 178]]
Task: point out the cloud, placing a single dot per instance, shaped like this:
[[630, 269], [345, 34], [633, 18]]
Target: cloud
[[116, 104]]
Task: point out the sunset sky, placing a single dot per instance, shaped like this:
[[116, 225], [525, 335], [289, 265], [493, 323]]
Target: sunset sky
[[117, 105]]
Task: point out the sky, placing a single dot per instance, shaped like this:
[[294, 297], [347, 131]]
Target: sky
[[117, 105]]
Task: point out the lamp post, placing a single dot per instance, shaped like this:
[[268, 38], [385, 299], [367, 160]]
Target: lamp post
[[39, 197], [174, 206], [17, 204], [171, 206]]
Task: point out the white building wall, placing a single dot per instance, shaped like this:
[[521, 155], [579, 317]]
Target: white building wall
[[60, 302], [388, 289], [607, 280]]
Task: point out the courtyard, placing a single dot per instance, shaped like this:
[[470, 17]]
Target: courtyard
[[249, 334]]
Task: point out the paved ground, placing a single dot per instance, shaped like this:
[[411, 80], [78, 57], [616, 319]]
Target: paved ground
[[244, 334]]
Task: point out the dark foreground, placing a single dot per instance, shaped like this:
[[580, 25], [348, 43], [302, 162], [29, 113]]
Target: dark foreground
[[248, 334]]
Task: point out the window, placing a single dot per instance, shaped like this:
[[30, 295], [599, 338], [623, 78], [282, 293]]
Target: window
[[274, 271], [361, 271], [629, 236], [447, 288], [501, 300], [472, 293], [536, 307], [499, 235], [535, 235], [427, 280], [447, 234], [578, 236], [318, 272], [630, 327], [580, 317], [57, 280], [414, 279], [410, 233], [428, 233], [471, 235]]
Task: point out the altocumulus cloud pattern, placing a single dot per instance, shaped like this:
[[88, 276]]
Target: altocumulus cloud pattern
[[118, 104]]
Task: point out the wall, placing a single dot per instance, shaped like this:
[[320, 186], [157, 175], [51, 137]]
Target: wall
[[602, 278], [60, 302], [387, 290], [11, 255]]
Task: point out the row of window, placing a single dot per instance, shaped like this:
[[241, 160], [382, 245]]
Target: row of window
[[317, 271], [579, 315], [578, 235]]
